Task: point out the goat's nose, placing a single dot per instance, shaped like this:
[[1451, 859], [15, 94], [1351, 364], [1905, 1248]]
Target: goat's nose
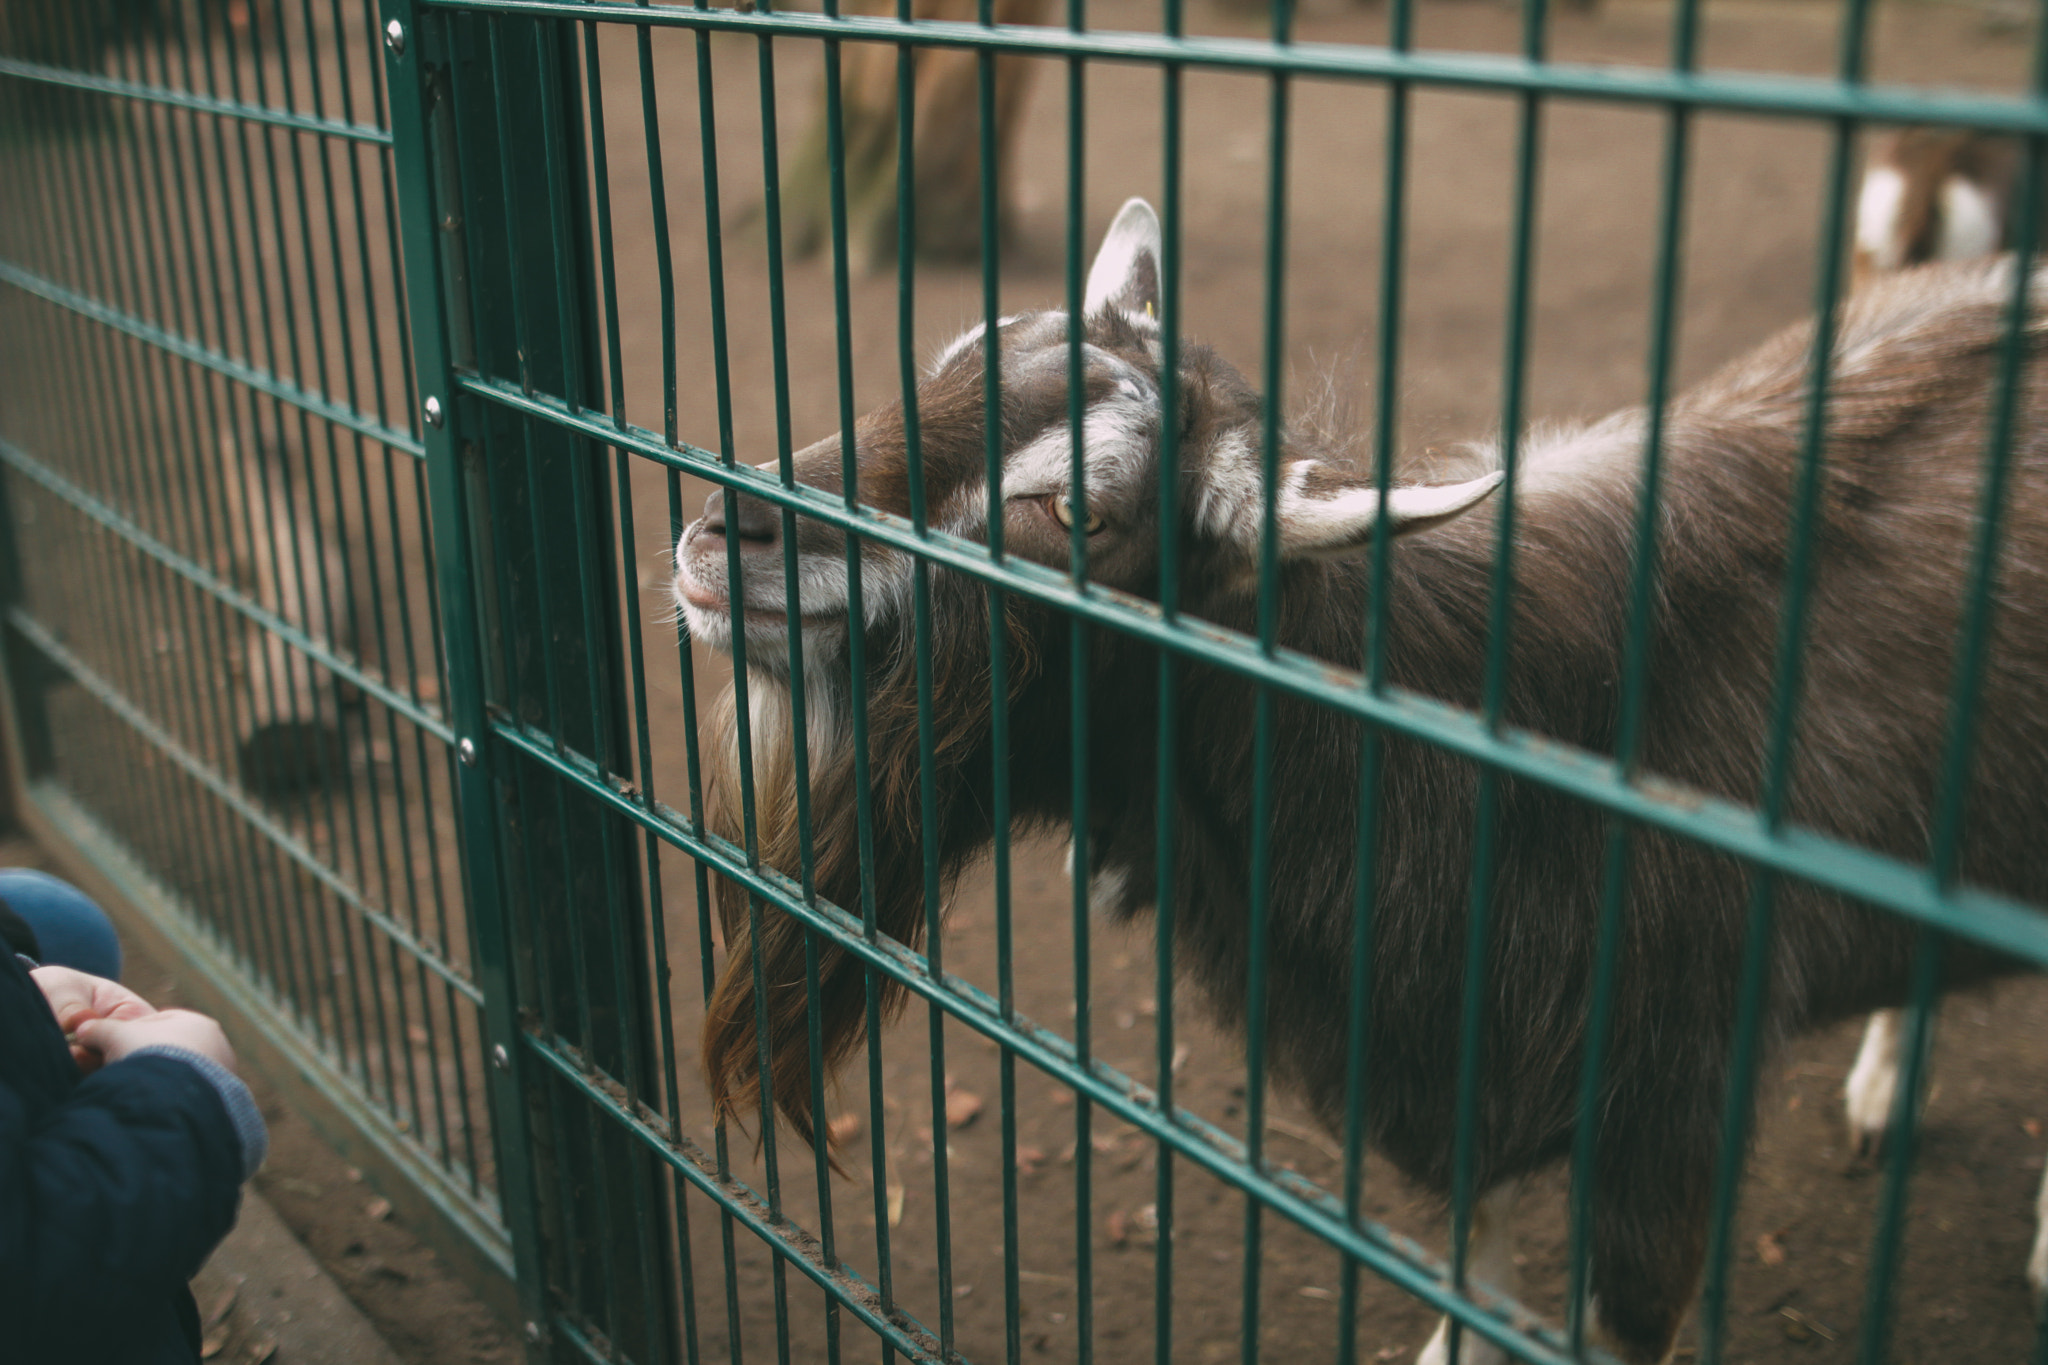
[[752, 520]]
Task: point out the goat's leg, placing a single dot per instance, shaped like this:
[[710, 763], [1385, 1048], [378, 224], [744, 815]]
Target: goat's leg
[[2037, 1264], [1874, 1082], [1651, 1201], [1490, 1260]]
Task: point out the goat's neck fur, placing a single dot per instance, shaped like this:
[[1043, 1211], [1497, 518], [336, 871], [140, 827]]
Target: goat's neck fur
[[894, 893]]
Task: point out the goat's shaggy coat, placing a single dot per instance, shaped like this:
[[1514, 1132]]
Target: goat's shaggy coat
[[1914, 371]]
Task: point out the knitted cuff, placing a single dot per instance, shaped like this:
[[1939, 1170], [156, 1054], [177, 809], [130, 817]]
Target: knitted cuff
[[241, 1105]]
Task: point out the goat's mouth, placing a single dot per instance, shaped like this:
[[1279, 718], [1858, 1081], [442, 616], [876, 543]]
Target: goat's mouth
[[704, 595]]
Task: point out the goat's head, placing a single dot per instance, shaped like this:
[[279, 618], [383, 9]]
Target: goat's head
[[1324, 510]]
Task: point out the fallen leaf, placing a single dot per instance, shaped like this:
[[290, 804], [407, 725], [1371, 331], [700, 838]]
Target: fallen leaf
[[962, 1108], [895, 1205], [216, 1341], [222, 1305], [260, 1350], [379, 1209], [1116, 1226], [1314, 1291], [1029, 1159], [291, 1184], [1802, 1327], [418, 1033], [844, 1127], [1770, 1250], [2031, 1127]]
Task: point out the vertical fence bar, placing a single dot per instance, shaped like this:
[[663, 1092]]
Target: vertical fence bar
[[575, 857], [990, 210], [1273, 340], [1078, 854], [1165, 883], [419, 79], [1782, 736], [1386, 435], [1499, 649], [1634, 675]]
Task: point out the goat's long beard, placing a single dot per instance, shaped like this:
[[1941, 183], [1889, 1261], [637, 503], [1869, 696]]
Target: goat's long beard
[[767, 985]]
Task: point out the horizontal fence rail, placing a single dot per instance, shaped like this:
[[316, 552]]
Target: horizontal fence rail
[[1728, 92]]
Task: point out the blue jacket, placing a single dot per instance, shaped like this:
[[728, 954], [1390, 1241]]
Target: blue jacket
[[114, 1188]]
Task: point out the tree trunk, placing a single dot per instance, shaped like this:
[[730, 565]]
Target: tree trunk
[[945, 144]]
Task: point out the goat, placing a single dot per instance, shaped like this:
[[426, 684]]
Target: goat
[[1914, 366], [1930, 195], [1934, 194], [290, 560]]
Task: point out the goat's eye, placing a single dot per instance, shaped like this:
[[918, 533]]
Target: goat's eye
[[1063, 513]]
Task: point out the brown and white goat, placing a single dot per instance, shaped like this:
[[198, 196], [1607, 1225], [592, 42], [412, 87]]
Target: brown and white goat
[[1914, 367], [1931, 194], [1934, 194], [1928, 194]]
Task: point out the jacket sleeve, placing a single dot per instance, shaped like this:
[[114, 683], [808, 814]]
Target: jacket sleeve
[[115, 1194]]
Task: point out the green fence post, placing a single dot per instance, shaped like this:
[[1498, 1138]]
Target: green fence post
[[415, 62], [498, 176]]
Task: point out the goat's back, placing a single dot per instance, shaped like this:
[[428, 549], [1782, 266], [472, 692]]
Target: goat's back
[[1915, 370]]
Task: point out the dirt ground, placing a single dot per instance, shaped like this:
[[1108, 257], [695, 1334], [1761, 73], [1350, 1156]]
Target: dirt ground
[[1753, 213]]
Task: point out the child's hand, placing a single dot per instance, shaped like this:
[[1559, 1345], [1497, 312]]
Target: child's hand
[[75, 997], [115, 1038]]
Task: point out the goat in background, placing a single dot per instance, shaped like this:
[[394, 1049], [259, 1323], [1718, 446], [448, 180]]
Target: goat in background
[[292, 734], [1931, 194], [1914, 363], [1934, 194]]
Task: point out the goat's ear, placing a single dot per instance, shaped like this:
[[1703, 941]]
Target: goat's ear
[[1326, 513], [1126, 270]]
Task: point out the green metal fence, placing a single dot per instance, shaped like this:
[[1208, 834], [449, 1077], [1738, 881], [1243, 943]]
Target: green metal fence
[[350, 386], [229, 679]]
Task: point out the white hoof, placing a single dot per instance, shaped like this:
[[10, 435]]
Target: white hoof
[[1873, 1083], [1473, 1349]]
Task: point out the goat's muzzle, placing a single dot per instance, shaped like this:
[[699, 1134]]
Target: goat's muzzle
[[749, 534], [703, 555]]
